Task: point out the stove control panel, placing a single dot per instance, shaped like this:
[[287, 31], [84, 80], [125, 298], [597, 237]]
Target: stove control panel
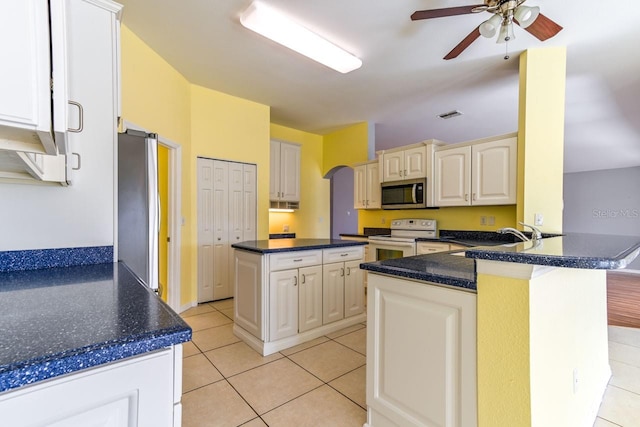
[[414, 224]]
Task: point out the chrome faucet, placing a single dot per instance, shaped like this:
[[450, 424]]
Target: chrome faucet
[[517, 233], [536, 234]]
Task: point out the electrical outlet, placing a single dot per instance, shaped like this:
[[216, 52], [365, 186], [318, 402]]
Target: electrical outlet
[[383, 220], [538, 219], [492, 220], [483, 220], [285, 228]]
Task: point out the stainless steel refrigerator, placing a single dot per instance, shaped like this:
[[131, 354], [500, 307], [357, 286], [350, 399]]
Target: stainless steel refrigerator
[[138, 204]]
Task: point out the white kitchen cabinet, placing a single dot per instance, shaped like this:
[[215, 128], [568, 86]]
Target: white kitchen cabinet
[[25, 104], [408, 162], [309, 298], [82, 90], [226, 214], [366, 186], [281, 297], [431, 247], [477, 174], [421, 354], [284, 180], [139, 391]]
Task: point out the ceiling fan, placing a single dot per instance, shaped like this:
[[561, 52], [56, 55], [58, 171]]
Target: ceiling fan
[[505, 13]]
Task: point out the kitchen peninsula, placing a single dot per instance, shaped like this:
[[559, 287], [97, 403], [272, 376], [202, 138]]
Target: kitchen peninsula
[[509, 335], [87, 344], [289, 291]]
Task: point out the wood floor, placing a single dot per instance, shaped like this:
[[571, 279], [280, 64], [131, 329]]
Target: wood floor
[[623, 299]]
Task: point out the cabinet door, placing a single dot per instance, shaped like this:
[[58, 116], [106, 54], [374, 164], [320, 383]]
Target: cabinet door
[[452, 177], [353, 289], [494, 167], [221, 285], [415, 163], [310, 298], [249, 209], [289, 172], [274, 170], [25, 104], [332, 292], [360, 187], [421, 353], [205, 230], [374, 197], [392, 166], [283, 304]]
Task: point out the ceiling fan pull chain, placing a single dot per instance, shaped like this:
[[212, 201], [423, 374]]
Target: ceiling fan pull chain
[[506, 49]]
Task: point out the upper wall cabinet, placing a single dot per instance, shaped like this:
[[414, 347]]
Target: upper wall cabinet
[[476, 174], [60, 77], [25, 84], [407, 162], [284, 180], [366, 186]]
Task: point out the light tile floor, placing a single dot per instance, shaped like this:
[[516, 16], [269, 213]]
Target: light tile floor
[[322, 382]]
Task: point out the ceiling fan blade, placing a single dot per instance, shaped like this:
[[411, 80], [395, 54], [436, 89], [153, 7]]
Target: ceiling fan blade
[[543, 28], [473, 35], [440, 13]]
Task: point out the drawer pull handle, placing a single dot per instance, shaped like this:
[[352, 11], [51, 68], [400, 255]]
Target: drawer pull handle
[[80, 117], [295, 280], [342, 272], [344, 254], [297, 260], [348, 271], [304, 279]]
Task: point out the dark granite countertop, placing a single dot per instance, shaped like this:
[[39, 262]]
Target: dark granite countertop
[[290, 245], [572, 250], [442, 268], [57, 321], [585, 251]]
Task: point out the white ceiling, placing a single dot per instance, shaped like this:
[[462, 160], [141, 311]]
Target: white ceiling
[[404, 82]]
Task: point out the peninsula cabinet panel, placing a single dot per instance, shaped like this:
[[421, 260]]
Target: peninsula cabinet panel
[[421, 354], [249, 291]]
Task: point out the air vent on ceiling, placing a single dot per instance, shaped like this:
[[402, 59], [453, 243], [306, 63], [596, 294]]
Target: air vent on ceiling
[[450, 114]]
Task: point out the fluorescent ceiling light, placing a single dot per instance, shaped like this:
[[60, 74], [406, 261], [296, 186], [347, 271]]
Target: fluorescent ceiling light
[[279, 28], [281, 210]]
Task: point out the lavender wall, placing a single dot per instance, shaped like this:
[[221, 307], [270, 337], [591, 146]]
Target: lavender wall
[[603, 202], [344, 219]]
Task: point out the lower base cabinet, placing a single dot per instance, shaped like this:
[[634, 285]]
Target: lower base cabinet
[[421, 354], [136, 392], [286, 298]]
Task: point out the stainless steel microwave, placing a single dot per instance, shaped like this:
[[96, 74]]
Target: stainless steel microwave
[[408, 194]]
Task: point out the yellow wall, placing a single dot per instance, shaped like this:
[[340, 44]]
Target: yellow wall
[[157, 97], [453, 218], [346, 146], [204, 122], [312, 220], [541, 136]]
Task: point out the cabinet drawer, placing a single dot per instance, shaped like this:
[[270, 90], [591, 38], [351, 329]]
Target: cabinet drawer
[[296, 259], [351, 253], [430, 248]]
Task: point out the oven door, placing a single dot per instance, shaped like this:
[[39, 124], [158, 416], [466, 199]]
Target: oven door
[[388, 249]]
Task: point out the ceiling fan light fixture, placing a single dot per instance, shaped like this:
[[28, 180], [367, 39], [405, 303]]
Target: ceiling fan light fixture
[[281, 29], [489, 28], [506, 32], [525, 15]]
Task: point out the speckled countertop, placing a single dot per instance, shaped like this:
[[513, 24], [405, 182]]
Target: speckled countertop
[[572, 250], [586, 251], [57, 321], [442, 268], [290, 245]]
